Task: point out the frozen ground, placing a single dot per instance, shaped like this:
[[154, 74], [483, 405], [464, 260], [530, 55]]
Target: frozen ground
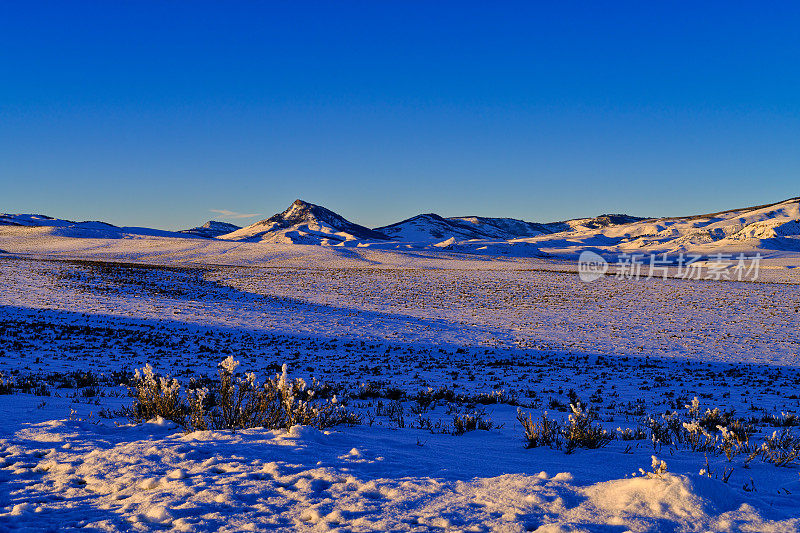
[[153, 476], [377, 328]]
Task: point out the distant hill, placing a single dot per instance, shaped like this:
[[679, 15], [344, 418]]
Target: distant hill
[[602, 221], [211, 229], [46, 225], [431, 227]]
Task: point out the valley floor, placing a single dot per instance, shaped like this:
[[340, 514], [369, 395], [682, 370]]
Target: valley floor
[[474, 340]]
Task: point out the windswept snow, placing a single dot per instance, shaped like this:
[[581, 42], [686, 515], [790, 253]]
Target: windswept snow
[[73, 474]]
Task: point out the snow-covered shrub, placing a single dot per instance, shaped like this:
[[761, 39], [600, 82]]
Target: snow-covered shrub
[[292, 410], [424, 399], [239, 401], [782, 420], [780, 449], [496, 396], [697, 437], [235, 401], [427, 398], [632, 434], [198, 407], [714, 418], [658, 466], [471, 422], [544, 432], [393, 410], [735, 439], [156, 396], [581, 431], [6, 385], [730, 437], [664, 430], [25, 384], [368, 390], [443, 393], [637, 407]]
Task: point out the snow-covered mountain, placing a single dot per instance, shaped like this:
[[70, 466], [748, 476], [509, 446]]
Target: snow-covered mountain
[[772, 227], [93, 229], [31, 220], [212, 229], [582, 224], [764, 227], [305, 223], [507, 228], [431, 227]]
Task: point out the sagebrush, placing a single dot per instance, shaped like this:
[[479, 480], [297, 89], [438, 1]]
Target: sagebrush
[[235, 401]]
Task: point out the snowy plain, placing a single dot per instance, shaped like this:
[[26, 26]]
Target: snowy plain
[[378, 327]]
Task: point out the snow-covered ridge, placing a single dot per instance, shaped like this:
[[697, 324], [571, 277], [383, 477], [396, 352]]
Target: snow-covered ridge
[[431, 227], [769, 228], [44, 220], [55, 227], [766, 227], [212, 229], [507, 226]]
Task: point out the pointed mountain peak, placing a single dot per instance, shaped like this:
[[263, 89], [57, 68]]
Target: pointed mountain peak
[[299, 205], [302, 211], [306, 223]]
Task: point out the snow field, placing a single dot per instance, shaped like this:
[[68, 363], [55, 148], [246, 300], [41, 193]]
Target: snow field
[[71, 474], [377, 338]]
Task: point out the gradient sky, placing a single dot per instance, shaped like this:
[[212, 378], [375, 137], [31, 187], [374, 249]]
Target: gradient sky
[[154, 114]]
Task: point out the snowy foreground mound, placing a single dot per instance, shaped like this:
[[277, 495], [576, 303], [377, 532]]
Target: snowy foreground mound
[[69, 474]]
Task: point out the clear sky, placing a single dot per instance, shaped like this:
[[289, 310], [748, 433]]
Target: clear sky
[[155, 114]]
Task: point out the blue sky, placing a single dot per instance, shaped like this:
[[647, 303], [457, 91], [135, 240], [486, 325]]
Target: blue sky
[[154, 114]]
